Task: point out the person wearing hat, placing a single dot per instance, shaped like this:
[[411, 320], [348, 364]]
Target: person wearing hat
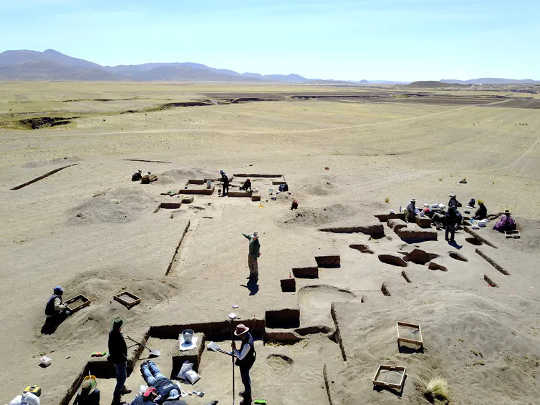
[[506, 223], [246, 185], [481, 212], [89, 394], [453, 202], [118, 356], [55, 311], [410, 214], [165, 389], [253, 255], [245, 357], [453, 219]]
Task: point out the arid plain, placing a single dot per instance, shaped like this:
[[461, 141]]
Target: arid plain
[[347, 154]]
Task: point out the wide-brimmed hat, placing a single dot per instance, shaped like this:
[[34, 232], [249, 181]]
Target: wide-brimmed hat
[[452, 195], [240, 329], [413, 200], [89, 383], [507, 211]]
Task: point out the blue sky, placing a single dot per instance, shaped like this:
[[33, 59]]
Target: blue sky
[[340, 39]]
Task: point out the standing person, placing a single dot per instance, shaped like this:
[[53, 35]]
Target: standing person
[[453, 202], [452, 218], [253, 255], [118, 356], [245, 357], [225, 185]]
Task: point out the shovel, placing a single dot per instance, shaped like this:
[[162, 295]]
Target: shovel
[[152, 354], [214, 347]]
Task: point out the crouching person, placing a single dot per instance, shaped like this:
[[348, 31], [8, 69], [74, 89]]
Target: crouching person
[[165, 389], [55, 311], [89, 394]]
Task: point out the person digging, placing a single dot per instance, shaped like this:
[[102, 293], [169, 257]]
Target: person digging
[[55, 311], [253, 255], [245, 358]]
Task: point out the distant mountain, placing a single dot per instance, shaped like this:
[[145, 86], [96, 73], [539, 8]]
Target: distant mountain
[[435, 84], [491, 80], [53, 65]]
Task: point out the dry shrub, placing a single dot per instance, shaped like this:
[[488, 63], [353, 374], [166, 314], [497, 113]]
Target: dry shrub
[[437, 389]]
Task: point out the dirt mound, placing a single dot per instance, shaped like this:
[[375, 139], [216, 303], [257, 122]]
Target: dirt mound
[[324, 186], [180, 176], [119, 206], [317, 216], [100, 287]]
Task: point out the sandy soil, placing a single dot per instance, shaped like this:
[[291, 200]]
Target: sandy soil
[[92, 230]]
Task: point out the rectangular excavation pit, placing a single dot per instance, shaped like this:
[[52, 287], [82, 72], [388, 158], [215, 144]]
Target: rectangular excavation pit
[[288, 285], [77, 303], [196, 181], [127, 299], [386, 217], [255, 175], [376, 231], [409, 333], [389, 377], [278, 182], [215, 331], [170, 205], [287, 318], [201, 191], [305, 272], [192, 355], [255, 197], [489, 281], [328, 262], [239, 193]]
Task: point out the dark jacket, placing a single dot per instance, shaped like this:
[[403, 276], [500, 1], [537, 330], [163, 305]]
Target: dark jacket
[[91, 399], [453, 216], [249, 359], [117, 347], [453, 203], [49, 308], [481, 212], [225, 180], [164, 386]]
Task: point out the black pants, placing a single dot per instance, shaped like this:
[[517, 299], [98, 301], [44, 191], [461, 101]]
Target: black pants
[[450, 229], [225, 189], [246, 380]]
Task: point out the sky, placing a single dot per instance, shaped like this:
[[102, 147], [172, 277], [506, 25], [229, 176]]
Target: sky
[[340, 39]]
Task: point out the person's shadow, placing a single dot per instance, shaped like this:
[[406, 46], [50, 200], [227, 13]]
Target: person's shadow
[[52, 323], [252, 286]]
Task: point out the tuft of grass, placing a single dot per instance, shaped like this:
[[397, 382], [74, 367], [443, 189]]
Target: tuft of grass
[[437, 389]]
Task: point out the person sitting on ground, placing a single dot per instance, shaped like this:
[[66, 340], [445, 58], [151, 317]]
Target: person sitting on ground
[[246, 185], [410, 213], [165, 388], [294, 205], [137, 175], [426, 210], [506, 223], [481, 212], [89, 394], [283, 187], [453, 202], [471, 203]]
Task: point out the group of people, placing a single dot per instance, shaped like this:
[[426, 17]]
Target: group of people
[[449, 217], [225, 183], [160, 389]]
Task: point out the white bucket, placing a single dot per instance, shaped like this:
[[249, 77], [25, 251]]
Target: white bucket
[[187, 335]]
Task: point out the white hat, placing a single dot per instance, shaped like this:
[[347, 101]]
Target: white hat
[[240, 329]]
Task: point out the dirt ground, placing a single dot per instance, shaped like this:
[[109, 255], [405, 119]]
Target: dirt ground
[[93, 231]]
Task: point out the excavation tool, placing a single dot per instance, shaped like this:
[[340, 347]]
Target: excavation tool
[[213, 346], [152, 354], [232, 317]]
